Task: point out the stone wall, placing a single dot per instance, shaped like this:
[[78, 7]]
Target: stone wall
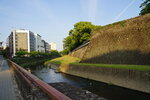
[[79, 53], [132, 79], [126, 42]]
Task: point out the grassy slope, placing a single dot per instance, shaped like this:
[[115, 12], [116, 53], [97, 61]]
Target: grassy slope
[[75, 61], [64, 60]]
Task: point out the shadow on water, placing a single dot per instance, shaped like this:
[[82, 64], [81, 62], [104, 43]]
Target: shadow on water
[[108, 91]]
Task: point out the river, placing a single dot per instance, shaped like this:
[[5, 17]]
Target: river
[[107, 91]]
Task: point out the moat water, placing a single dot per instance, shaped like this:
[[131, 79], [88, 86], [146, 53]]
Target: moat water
[[108, 91]]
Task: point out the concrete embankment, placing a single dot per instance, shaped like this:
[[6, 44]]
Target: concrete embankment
[[132, 79]]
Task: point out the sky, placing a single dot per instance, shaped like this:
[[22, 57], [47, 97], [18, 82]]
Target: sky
[[53, 19]]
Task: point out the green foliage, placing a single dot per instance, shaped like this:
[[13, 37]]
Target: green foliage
[[145, 7], [34, 54], [121, 23], [21, 53], [63, 60], [5, 52], [34, 58], [119, 66], [78, 35], [55, 53], [64, 52], [29, 62]]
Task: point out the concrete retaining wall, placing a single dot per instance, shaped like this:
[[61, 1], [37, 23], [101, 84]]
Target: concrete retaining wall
[[132, 79]]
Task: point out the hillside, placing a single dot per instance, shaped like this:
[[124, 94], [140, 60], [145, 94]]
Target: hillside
[[126, 42]]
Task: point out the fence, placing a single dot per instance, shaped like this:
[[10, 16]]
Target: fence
[[33, 88]]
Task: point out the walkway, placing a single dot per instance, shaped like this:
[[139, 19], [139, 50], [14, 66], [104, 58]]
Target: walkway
[[8, 86]]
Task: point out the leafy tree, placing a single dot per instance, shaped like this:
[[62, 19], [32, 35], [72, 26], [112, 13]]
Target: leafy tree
[[34, 54], [77, 36], [64, 52], [55, 53], [145, 7], [21, 53]]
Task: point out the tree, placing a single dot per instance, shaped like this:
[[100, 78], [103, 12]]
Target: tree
[[145, 7], [78, 35], [21, 53], [55, 53], [64, 52]]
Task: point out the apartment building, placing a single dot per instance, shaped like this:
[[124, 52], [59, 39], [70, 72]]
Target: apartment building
[[21, 39], [27, 41]]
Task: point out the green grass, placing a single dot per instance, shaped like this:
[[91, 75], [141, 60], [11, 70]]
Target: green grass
[[63, 60], [131, 67], [75, 61], [121, 23]]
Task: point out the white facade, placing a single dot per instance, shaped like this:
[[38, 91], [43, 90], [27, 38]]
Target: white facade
[[53, 46]]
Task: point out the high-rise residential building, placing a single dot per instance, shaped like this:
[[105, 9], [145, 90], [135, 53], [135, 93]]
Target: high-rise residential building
[[27, 41], [21, 39], [53, 46]]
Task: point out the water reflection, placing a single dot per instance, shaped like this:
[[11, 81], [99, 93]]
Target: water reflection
[[104, 90]]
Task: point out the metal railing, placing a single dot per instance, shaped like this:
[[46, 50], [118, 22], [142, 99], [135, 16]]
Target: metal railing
[[32, 88]]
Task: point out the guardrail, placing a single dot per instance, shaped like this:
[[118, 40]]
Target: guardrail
[[33, 88]]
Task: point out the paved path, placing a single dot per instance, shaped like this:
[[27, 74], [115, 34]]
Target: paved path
[[8, 87]]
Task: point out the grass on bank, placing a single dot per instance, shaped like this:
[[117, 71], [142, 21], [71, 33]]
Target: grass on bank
[[75, 61], [131, 67], [63, 60]]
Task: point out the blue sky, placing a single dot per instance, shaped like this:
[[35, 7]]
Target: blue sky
[[52, 19]]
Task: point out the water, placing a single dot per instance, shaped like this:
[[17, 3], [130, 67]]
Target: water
[[107, 91]]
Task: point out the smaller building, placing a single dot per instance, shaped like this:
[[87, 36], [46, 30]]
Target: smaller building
[[1, 45], [53, 46], [42, 46], [47, 47]]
